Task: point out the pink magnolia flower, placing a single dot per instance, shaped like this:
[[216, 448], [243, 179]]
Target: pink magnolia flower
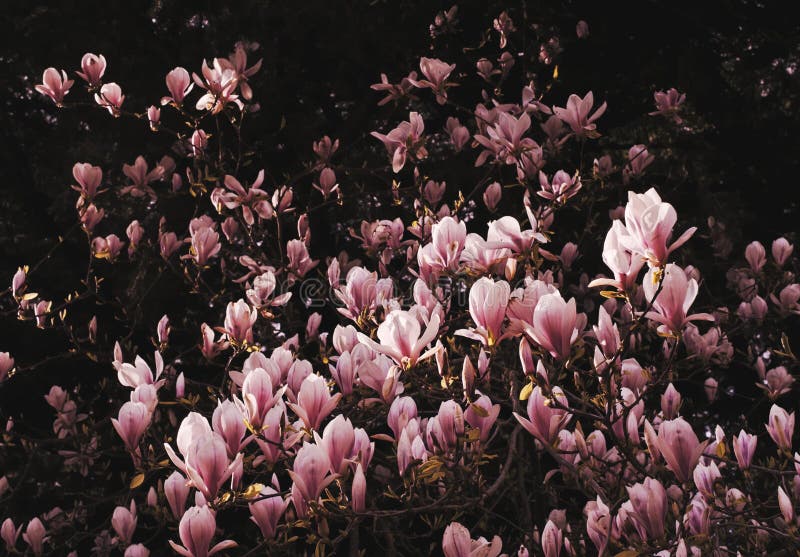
[[781, 251], [198, 142], [251, 200], [314, 401], [35, 536], [124, 520], [787, 300], [492, 195], [670, 307], [434, 191], [554, 325], [239, 321], [220, 82], [744, 447], [205, 453], [338, 439], [459, 135], [394, 92], [204, 244], [777, 382], [196, 531], [268, 510], [639, 158], [168, 243], [300, 261], [259, 397], [88, 178], [552, 540], [447, 243], [141, 178], [6, 365], [780, 427], [560, 188], [649, 223], [176, 489], [576, 115], [487, 307], [179, 85], [504, 139], [705, 476], [582, 29], [504, 25], [136, 550], [327, 182], [55, 85], [649, 502], [401, 338], [93, 66], [405, 140], [107, 248], [546, 418], [484, 419], [457, 542], [238, 60], [261, 294], [598, 523], [358, 491], [668, 104], [229, 421], [680, 447], [134, 419], [311, 472], [10, 534], [91, 217], [324, 149], [506, 232], [111, 98], [436, 73], [756, 256]]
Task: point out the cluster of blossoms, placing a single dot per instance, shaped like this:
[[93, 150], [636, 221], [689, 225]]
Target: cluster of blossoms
[[460, 368]]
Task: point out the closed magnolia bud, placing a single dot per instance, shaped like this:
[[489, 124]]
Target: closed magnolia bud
[[781, 251]]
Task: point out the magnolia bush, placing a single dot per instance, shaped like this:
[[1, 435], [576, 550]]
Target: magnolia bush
[[513, 350]]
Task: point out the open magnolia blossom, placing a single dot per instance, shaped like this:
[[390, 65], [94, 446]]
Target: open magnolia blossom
[[401, 338]]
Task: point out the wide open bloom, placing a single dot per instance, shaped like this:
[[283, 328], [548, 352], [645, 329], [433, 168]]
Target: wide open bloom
[[671, 305], [220, 82], [546, 418], [251, 200], [649, 223], [401, 338], [436, 73], [668, 104], [576, 115], [406, 139]]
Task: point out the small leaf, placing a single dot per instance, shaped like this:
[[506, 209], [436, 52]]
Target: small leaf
[[526, 391], [137, 480]]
